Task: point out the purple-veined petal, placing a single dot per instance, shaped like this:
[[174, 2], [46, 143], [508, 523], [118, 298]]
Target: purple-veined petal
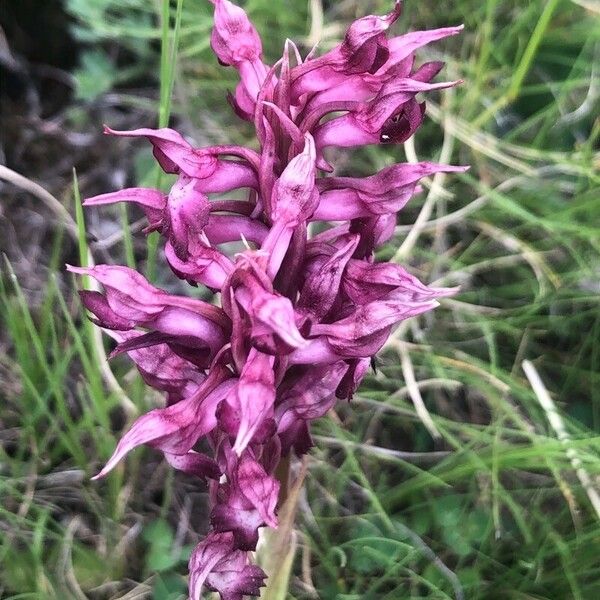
[[246, 502], [133, 300], [251, 400], [295, 193], [347, 198], [176, 155], [365, 330], [205, 265], [106, 317], [228, 175], [236, 42], [133, 288], [322, 286], [172, 151], [215, 563], [233, 228], [270, 313], [152, 201], [234, 39], [194, 463], [317, 352], [276, 245], [372, 317], [403, 45], [161, 368], [311, 394], [174, 429], [366, 282], [261, 489], [363, 50], [186, 215], [392, 116]]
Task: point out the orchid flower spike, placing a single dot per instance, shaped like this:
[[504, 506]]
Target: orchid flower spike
[[298, 318]]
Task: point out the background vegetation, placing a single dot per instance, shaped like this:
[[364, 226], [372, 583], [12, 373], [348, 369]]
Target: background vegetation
[[468, 466]]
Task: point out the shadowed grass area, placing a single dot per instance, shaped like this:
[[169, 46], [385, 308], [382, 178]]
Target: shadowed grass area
[[449, 475]]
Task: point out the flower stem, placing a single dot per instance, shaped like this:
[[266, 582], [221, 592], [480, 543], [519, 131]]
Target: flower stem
[[277, 547]]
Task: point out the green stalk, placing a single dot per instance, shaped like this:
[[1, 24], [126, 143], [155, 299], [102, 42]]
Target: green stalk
[[168, 58], [127, 238], [523, 67], [277, 547]]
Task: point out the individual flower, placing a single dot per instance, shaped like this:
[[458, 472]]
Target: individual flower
[[218, 565]]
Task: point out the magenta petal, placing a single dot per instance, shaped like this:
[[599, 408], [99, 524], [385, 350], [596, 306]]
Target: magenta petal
[[322, 286], [363, 50], [392, 116], [270, 313], [238, 516], [386, 181], [97, 304], [402, 46], [217, 565], [176, 155], [371, 318], [174, 429], [318, 352], [364, 332], [161, 368], [143, 196], [311, 395], [173, 152], [130, 289], [234, 39], [252, 398], [205, 265], [383, 229], [344, 132], [233, 228], [277, 314], [261, 489], [247, 502], [184, 323], [133, 299], [295, 194], [346, 198], [194, 463], [142, 341], [186, 215], [128, 293], [151, 201], [236, 42], [228, 175], [366, 282]]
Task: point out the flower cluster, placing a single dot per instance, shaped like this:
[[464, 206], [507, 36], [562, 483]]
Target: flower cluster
[[300, 316]]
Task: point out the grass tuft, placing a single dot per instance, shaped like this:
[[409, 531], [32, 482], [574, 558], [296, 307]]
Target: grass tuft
[[447, 476]]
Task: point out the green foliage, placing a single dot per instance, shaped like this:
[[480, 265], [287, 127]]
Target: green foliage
[[160, 538], [494, 508], [95, 76]]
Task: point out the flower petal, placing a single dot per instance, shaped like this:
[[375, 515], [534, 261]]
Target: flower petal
[[174, 429], [216, 564]]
